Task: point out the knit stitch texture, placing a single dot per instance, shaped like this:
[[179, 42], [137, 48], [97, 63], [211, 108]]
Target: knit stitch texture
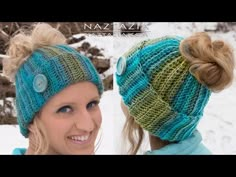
[[161, 94], [62, 66]]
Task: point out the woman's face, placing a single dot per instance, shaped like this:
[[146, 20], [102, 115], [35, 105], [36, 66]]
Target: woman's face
[[72, 119]]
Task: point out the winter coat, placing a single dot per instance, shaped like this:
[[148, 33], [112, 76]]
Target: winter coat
[[190, 146], [19, 151]]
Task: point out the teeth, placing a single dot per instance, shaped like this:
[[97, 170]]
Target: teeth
[[80, 138]]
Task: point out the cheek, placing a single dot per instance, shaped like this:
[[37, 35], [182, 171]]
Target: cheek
[[52, 127], [53, 123], [97, 117]]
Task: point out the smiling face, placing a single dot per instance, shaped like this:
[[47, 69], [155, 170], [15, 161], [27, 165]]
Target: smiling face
[[72, 119]]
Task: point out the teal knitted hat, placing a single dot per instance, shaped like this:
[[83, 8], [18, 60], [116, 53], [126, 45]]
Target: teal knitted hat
[[45, 73], [161, 94]]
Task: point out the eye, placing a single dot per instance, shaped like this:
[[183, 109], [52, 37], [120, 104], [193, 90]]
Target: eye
[[92, 104], [65, 109]]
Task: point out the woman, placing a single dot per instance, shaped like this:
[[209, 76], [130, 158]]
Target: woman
[[57, 93], [165, 85]]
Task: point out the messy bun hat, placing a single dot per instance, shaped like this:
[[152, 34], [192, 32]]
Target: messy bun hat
[[166, 82]]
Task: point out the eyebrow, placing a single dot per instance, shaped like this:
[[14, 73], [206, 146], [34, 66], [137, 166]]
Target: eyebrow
[[73, 103]]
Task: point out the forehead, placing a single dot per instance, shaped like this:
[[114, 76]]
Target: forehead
[[79, 92]]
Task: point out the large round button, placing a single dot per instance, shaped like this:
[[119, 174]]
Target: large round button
[[121, 66], [40, 83]]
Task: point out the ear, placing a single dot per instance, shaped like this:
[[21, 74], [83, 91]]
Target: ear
[[31, 127]]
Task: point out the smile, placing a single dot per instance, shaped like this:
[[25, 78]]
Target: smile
[[80, 139]]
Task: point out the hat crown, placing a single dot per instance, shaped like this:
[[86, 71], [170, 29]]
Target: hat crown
[[46, 72], [160, 92]]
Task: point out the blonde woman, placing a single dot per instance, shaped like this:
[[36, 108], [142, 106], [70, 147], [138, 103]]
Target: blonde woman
[[165, 85], [57, 93]]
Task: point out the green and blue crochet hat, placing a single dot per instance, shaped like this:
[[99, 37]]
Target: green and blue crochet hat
[[47, 71], [161, 94]]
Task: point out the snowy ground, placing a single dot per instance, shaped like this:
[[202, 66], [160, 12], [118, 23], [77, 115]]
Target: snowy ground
[[218, 125]]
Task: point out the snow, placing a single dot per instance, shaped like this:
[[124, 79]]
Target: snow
[[11, 138], [217, 126]]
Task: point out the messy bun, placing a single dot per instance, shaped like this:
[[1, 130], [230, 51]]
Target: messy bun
[[212, 63], [22, 45]]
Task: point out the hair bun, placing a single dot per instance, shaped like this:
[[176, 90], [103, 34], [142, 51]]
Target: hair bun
[[212, 63], [22, 45]]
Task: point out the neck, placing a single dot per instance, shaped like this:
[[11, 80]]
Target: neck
[[157, 143], [29, 151]]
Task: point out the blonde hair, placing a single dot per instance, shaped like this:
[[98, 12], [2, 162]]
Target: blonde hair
[[23, 44], [211, 62], [134, 133], [38, 139]]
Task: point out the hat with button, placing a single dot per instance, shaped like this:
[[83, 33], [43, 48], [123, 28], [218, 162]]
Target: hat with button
[[47, 71], [161, 94]]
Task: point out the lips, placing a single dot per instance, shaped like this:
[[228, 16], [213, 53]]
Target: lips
[[80, 139]]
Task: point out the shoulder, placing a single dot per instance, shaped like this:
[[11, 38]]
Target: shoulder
[[201, 150], [190, 146]]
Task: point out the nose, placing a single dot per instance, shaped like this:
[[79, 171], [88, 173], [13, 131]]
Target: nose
[[84, 121]]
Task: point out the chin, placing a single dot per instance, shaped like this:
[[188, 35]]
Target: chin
[[89, 151]]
